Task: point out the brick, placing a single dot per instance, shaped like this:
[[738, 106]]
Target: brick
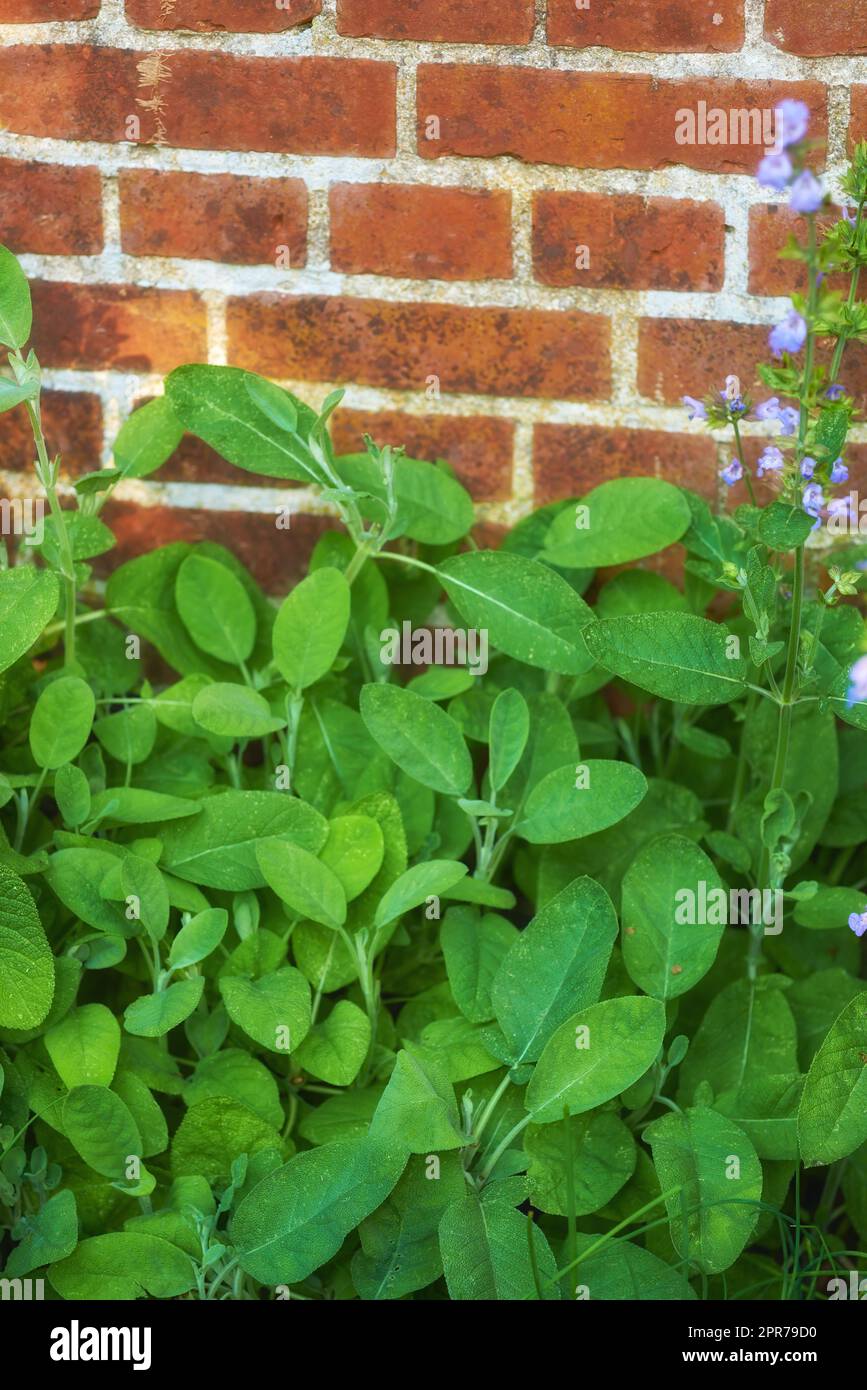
[[593, 120], [813, 28], [422, 233], [499, 352], [770, 229], [632, 242], [277, 559], [210, 100], [213, 217], [117, 326], [72, 421], [478, 447], [679, 357], [40, 11], [50, 209], [439, 21], [858, 123], [692, 357], [646, 26], [212, 16], [569, 460]]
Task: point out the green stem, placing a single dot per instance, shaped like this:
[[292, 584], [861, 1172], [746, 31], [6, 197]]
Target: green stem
[[837, 360], [740, 453], [46, 477], [502, 1146]]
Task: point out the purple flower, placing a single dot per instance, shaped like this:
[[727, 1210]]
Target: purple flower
[[807, 193], [857, 683], [841, 507], [768, 410], [790, 335], [793, 120], [775, 171], [733, 473], [839, 472], [858, 922], [834, 392], [813, 500], [808, 467], [771, 461], [696, 409], [850, 216], [789, 418]]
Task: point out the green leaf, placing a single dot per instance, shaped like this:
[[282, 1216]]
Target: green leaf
[[303, 882], [12, 395], [335, 1049], [28, 602], [142, 882], [100, 1127], [716, 1167], [51, 1233], [422, 881], [274, 1011], [418, 1109], [676, 655], [832, 1118], [623, 1272], [215, 609], [509, 731], [675, 911], [747, 1033], [417, 735], [297, 1218], [400, 1250], [218, 848], [572, 802], [234, 711], [76, 876], [354, 851], [598, 1147], [154, 1015], [235, 1074], [486, 1256], [784, 527], [556, 965], [621, 520], [594, 1055], [123, 1265], [830, 908], [474, 951], [433, 508], [72, 794], [26, 961], [213, 1134], [84, 1046], [310, 627], [280, 408], [529, 612], [216, 404], [130, 735], [639, 591], [138, 806], [147, 439], [16, 313], [201, 935]]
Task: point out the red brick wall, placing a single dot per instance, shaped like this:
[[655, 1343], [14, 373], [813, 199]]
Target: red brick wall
[[390, 195]]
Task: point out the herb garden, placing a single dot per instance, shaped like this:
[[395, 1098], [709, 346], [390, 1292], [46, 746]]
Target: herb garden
[[331, 972]]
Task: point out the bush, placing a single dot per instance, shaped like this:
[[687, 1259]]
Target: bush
[[311, 975]]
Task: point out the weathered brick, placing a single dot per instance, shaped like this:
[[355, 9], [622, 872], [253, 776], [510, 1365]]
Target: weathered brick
[[858, 122], [680, 357], [118, 326], [813, 28], [419, 232], [211, 16], [40, 11], [478, 447], [678, 26], [207, 100], [627, 242], [770, 229], [50, 209], [276, 558], [439, 21], [499, 352], [592, 120], [569, 460], [72, 421], [213, 217]]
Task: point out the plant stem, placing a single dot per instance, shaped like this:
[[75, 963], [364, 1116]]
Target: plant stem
[[46, 477]]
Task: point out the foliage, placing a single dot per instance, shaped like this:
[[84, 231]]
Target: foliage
[[323, 978]]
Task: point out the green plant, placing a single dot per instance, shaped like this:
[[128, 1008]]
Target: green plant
[[533, 983]]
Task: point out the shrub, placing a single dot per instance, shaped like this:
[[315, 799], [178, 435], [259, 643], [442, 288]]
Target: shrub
[[530, 974]]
